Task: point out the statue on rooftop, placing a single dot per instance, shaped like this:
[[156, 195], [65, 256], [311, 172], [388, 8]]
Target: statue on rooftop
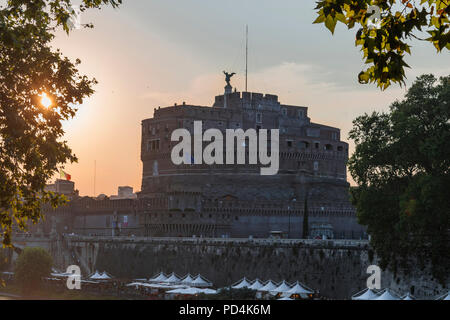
[[228, 77]]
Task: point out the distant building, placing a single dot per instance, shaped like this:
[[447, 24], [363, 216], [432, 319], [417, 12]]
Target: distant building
[[64, 187], [124, 192]]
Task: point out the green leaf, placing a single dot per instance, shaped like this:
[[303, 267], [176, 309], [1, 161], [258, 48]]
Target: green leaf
[[330, 23]]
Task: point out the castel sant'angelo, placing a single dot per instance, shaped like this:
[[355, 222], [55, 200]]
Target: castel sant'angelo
[[230, 200]]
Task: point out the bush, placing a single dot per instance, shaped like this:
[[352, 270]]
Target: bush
[[32, 265]]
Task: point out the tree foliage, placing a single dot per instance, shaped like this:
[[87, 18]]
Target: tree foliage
[[31, 149], [385, 42], [32, 265], [3, 260], [402, 167]]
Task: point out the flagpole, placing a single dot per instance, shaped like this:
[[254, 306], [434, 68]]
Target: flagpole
[[246, 56]]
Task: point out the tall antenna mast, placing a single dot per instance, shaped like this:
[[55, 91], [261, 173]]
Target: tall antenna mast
[[246, 56], [95, 172]]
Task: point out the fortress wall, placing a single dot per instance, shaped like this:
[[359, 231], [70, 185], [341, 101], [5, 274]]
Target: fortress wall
[[337, 271]]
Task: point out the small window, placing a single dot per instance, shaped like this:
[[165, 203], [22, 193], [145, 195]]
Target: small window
[[316, 165], [301, 114], [289, 143], [334, 136], [259, 117], [339, 148], [328, 147], [316, 145], [284, 111], [153, 145]]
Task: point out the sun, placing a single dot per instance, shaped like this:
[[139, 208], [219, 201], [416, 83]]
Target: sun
[[45, 100]]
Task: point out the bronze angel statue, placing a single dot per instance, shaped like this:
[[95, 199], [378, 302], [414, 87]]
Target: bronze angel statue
[[228, 77]]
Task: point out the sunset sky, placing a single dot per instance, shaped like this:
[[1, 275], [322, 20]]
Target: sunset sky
[[160, 52]]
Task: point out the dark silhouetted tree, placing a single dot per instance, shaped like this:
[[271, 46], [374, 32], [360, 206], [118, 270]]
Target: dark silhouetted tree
[[401, 164], [39, 88]]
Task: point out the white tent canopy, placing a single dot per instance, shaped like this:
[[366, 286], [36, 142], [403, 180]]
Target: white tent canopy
[[105, 276], [408, 297], [192, 291], [243, 283], [173, 278], [387, 295], [159, 278], [299, 289], [135, 284], [100, 276], [283, 287], [64, 275], [256, 285], [445, 297], [95, 275], [184, 291], [187, 279], [269, 286], [208, 291], [285, 298], [199, 281], [163, 286], [366, 294]]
